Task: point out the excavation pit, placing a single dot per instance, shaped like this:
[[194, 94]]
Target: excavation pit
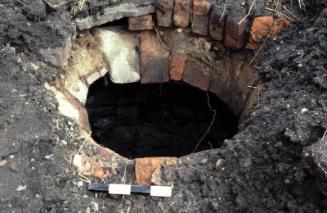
[[138, 94], [150, 120], [275, 157]]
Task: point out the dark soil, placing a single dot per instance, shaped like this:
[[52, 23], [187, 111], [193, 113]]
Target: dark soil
[[28, 25], [168, 119], [261, 169]]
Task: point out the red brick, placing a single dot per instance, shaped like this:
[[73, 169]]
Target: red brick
[[235, 32], [231, 80], [182, 12], [196, 76], [200, 19], [140, 23], [217, 22], [154, 59], [165, 13], [145, 168], [263, 27], [177, 66]]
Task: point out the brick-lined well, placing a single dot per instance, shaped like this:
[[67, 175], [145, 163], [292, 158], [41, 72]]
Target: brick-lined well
[[205, 45]]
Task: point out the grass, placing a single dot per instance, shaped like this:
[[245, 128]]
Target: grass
[[282, 11], [301, 4]]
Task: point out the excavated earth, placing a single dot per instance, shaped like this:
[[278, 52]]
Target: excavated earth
[[269, 166]]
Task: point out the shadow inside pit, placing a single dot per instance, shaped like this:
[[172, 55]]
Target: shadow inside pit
[[169, 119]]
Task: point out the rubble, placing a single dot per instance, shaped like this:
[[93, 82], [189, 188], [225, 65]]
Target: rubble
[[89, 166]]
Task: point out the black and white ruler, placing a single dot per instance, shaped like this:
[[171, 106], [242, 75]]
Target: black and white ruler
[[126, 189]]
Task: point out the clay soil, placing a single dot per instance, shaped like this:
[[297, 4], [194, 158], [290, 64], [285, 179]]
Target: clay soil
[[261, 169]]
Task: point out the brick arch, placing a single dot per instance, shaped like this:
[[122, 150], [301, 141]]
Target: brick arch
[[230, 77]]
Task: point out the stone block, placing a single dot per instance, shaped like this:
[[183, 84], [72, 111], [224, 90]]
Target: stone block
[[140, 23], [164, 12], [69, 106], [182, 12], [112, 12], [154, 59], [119, 48]]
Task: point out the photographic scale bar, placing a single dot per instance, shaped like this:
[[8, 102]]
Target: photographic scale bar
[[126, 189]]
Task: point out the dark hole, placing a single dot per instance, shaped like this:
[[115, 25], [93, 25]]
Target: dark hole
[[118, 23], [151, 120]]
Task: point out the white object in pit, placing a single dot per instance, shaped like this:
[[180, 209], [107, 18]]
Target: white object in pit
[[119, 49]]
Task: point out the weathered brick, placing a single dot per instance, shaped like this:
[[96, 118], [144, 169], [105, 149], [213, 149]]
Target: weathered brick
[[200, 19], [247, 76], [231, 80], [145, 167], [236, 25], [263, 27], [235, 66], [217, 22], [196, 76], [220, 82], [89, 166], [235, 33], [240, 85], [182, 12], [154, 59], [140, 23], [148, 170], [164, 12], [177, 66]]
